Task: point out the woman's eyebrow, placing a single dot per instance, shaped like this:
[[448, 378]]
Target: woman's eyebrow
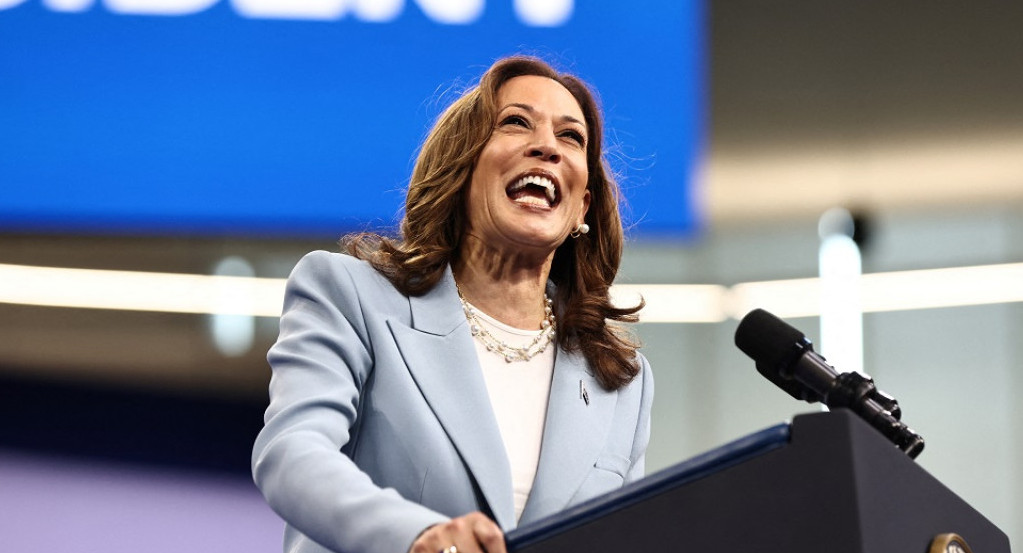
[[526, 107]]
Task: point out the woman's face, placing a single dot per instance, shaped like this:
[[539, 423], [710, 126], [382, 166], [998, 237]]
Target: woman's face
[[528, 189]]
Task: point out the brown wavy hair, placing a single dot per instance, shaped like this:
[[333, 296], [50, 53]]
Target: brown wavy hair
[[435, 216]]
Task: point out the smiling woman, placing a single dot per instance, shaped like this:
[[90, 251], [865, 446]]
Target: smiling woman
[[413, 379], [528, 191]]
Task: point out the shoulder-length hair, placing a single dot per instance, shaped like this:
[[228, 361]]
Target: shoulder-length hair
[[435, 220]]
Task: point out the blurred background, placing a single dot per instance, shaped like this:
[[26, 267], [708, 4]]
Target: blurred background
[[164, 163]]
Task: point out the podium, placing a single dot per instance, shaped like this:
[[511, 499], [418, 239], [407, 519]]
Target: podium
[[826, 483]]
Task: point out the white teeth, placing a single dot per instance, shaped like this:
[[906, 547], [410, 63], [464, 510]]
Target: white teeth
[[537, 180], [531, 200]]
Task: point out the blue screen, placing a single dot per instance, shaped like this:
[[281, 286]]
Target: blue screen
[[254, 117]]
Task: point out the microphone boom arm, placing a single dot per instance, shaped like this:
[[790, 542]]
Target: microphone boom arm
[[858, 393]]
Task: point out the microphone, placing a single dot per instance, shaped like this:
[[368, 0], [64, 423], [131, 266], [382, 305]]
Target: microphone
[[785, 356]]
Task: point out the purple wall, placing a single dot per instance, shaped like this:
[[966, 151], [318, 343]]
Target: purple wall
[[53, 504]]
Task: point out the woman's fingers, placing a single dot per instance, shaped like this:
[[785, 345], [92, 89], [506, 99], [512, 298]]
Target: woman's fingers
[[471, 533], [488, 534]]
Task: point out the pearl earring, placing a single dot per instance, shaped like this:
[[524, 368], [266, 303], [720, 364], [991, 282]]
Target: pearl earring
[[583, 228]]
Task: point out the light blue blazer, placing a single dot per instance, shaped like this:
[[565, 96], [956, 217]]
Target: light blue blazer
[[380, 425]]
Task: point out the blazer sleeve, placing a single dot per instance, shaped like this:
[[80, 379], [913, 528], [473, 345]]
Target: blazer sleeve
[[319, 364], [642, 437]]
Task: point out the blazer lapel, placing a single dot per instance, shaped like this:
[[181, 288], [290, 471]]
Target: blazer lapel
[[574, 435], [439, 352]]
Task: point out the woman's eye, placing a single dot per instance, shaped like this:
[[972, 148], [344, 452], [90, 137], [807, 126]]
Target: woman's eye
[[515, 120], [576, 136]]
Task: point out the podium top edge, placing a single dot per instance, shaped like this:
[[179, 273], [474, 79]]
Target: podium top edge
[[700, 466]]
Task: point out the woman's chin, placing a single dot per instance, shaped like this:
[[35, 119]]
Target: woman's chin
[[545, 241]]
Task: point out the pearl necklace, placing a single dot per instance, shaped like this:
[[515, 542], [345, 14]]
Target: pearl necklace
[[499, 347]]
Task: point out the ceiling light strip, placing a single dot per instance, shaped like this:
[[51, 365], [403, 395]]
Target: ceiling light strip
[[665, 303], [140, 291]]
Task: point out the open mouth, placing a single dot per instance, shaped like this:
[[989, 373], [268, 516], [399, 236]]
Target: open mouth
[[535, 188]]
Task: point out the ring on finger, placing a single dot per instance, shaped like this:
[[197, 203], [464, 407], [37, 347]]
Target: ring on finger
[[451, 549]]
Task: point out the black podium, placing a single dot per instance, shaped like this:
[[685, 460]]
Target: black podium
[[827, 483]]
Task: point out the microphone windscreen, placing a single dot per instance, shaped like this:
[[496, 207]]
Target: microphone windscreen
[[770, 341]]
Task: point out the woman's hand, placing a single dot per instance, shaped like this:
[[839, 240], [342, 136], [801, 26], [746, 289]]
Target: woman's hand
[[472, 533]]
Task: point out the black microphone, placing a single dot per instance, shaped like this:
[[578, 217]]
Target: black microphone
[[785, 356]]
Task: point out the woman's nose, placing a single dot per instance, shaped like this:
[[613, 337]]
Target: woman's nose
[[545, 147]]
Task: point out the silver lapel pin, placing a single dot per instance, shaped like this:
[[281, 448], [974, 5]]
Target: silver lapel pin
[[583, 393]]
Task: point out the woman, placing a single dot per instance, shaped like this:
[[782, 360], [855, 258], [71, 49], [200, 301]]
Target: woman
[[430, 393]]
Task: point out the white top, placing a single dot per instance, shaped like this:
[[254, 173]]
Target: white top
[[518, 393]]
